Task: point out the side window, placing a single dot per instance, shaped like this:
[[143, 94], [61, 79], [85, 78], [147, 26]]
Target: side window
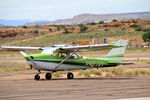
[[74, 56]]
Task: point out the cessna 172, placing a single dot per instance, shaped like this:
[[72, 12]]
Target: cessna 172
[[65, 57]]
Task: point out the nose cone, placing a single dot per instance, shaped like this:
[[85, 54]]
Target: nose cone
[[27, 57]]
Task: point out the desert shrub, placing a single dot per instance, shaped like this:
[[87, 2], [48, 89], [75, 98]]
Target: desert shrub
[[24, 26], [72, 28], [134, 25], [146, 37], [95, 72], [146, 30], [50, 30], [118, 71], [36, 32], [106, 29], [83, 28], [66, 31], [128, 73], [92, 23], [86, 74], [43, 33], [138, 28], [101, 22], [58, 28], [114, 20], [123, 28], [37, 26], [109, 74]]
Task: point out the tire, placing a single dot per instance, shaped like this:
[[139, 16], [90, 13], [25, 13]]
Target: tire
[[48, 76], [70, 76], [37, 77]]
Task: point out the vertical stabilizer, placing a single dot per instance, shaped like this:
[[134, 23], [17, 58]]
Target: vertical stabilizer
[[117, 54]]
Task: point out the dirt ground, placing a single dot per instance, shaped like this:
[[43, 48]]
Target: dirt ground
[[19, 86]]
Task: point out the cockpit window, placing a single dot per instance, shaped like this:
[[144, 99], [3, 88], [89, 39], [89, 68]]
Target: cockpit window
[[64, 55]]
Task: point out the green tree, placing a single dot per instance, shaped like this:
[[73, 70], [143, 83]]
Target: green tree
[[114, 20], [101, 22], [83, 28], [58, 28], [24, 26], [66, 31], [146, 37], [50, 30], [134, 25], [92, 23], [138, 28], [36, 32]]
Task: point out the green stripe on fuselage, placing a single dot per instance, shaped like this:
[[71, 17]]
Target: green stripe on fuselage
[[95, 62]]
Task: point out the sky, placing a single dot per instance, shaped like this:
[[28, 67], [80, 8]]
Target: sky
[[60, 9]]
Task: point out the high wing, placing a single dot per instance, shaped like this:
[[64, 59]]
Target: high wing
[[15, 48], [84, 48], [65, 48]]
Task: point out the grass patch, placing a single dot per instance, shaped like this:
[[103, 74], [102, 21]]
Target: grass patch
[[136, 72], [14, 68], [58, 73]]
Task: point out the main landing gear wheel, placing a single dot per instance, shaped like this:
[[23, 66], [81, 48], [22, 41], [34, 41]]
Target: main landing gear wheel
[[48, 76], [37, 77], [70, 76]]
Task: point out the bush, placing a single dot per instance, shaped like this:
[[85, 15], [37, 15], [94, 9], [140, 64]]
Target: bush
[[119, 71], [58, 28], [83, 28], [146, 37], [92, 23], [146, 30], [24, 26], [50, 30], [72, 28], [114, 20], [65, 31], [106, 30], [109, 74], [138, 28], [101, 22], [36, 32], [134, 25]]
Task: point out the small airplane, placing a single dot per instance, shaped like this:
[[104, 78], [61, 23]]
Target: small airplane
[[65, 57]]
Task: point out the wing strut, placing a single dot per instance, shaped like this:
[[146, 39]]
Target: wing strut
[[65, 59]]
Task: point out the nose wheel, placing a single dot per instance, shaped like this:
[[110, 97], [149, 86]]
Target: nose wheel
[[70, 76], [37, 76]]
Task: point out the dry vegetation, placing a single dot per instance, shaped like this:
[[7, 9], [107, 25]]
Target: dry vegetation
[[48, 34]]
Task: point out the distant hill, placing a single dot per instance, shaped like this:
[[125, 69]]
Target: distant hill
[[13, 22], [87, 18], [37, 23]]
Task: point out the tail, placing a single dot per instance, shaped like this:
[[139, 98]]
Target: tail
[[117, 54]]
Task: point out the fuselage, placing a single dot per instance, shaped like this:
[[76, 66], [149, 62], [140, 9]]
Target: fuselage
[[49, 62]]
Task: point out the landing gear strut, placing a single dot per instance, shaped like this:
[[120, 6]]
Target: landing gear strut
[[48, 76], [70, 76], [37, 76]]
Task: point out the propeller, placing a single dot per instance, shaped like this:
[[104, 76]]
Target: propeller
[[30, 58]]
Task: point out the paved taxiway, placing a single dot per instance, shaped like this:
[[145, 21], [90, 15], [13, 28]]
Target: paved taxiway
[[25, 88]]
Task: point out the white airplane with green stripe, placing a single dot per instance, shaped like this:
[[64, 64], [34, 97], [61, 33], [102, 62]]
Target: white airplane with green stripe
[[66, 58]]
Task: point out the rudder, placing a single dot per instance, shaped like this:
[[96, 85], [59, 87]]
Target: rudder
[[117, 54]]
